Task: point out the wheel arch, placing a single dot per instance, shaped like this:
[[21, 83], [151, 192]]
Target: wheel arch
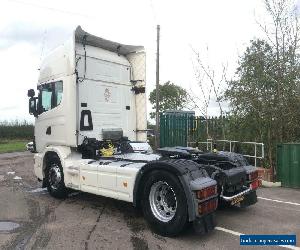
[[171, 168], [59, 151]]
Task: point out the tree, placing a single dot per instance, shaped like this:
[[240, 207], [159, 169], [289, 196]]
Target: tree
[[171, 97], [264, 96], [283, 36], [251, 95], [265, 114], [209, 83]]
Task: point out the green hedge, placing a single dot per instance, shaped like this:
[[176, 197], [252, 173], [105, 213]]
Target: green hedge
[[16, 130]]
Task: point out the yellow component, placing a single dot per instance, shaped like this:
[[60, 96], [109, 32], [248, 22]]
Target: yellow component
[[107, 152]]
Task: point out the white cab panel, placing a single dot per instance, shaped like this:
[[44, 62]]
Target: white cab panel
[[89, 178], [105, 91], [107, 180], [125, 180], [113, 179], [138, 74]]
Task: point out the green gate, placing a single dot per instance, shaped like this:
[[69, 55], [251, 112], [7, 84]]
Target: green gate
[[288, 164], [179, 129]]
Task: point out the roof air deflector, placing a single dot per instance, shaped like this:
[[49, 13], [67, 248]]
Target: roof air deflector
[[95, 41]]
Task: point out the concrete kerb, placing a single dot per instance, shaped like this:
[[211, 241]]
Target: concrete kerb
[[270, 184]]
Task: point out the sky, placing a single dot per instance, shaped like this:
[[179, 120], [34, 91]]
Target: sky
[[218, 30]]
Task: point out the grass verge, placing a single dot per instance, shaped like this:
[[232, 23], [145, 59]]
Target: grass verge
[[7, 146]]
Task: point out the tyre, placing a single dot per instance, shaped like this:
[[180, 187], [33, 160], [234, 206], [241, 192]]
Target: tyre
[[164, 203], [55, 178]]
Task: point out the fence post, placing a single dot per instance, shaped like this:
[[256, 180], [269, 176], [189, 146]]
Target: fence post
[[255, 155], [187, 129]]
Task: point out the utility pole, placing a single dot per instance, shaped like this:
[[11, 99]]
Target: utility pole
[[157, 138]]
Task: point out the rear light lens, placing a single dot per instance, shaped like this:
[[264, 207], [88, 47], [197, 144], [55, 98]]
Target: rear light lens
[[207, 192], [255, 184], [252, 176], [208, 206]]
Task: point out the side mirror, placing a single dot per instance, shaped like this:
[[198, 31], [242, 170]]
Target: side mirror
[[32, 106], [31, 93]]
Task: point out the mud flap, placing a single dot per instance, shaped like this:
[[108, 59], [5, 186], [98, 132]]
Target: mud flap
[[204, 224], [249, 199]]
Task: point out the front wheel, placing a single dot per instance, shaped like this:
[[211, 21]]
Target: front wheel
[[164, 203], [55, 178]]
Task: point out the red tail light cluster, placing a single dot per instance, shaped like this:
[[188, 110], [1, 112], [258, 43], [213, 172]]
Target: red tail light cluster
[[252, 176], [255, 184], [208, 206], [206, 192]]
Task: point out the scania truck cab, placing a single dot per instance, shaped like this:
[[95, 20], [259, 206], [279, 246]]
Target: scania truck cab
[[91, 131]]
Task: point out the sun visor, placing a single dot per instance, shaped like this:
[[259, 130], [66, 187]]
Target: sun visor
[[82, 36]]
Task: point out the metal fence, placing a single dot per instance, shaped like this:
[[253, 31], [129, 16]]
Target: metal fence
[[178, 130], [186, 130], [256, 152], [288, 167], [173, 130]]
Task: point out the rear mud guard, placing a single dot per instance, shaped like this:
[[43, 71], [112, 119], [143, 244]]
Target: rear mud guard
[[204, 224]]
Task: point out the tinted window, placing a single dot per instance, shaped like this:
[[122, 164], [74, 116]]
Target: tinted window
[[46, 93], [50, 95]]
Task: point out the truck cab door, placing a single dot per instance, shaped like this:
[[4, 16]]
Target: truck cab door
[[49, 125]]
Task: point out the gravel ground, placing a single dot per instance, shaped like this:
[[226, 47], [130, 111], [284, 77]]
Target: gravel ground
[[85, 221]]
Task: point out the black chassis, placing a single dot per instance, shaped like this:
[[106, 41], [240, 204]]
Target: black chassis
[[230, 170]]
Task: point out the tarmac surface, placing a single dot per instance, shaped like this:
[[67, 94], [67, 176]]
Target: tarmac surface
[[31, 219]]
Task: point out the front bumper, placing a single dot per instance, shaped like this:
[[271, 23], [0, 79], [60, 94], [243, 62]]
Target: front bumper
[[204, 224], [38, 166]]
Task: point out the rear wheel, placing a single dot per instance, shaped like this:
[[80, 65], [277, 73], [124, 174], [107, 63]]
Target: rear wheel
[[55, 178], [164, 203]]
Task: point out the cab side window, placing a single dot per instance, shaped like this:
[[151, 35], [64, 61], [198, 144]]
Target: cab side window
[[46, 95], [50, 95]]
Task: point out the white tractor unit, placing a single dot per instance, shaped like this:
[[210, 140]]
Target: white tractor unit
[[91, 131]]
